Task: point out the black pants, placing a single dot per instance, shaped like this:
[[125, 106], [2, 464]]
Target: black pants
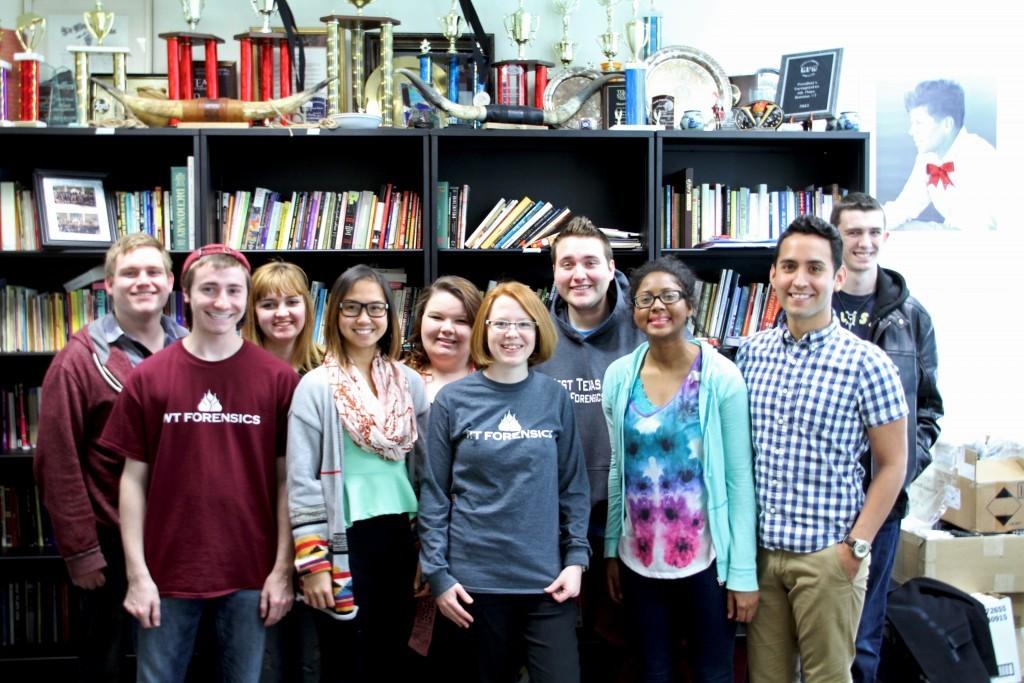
[[375, 645], [507, 625], [105, 635]]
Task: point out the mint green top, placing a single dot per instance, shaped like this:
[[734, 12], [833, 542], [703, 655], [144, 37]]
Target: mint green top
[[374, 486]]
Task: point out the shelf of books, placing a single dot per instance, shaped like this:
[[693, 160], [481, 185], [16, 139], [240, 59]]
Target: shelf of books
[[501, 196], [724, 198]]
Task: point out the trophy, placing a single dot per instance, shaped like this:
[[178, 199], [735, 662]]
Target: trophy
[[513, 75], [652, 20], [451, 25], [609, 40], [636, 38], [98, 22], [264, 8], [179, 56], [258, 48], [355, 28], [565, 48], [521, 27], [29, 32], [192, 9]]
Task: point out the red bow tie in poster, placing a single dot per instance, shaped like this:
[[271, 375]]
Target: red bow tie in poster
[[937, 173]]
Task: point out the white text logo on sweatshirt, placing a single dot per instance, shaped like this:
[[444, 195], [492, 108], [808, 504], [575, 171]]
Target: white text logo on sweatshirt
[[509, 429], [210, 410]]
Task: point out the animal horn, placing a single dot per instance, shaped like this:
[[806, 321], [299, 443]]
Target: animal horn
[[462, 111], [508, 113], [152, 109]]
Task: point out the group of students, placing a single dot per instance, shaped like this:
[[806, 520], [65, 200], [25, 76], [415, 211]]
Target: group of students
[[482, 465]]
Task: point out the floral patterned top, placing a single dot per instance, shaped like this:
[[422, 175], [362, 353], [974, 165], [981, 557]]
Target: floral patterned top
[[666, 535]]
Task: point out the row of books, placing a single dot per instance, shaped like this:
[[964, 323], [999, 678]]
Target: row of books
[[727, 310], [19, 418], [167, 214], [323, 220], [35, 612], [25, 523], [403, 296], [698, 213], [510, 224], [31, 321]]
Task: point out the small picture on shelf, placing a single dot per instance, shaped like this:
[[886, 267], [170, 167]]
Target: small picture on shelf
[[73, 209]]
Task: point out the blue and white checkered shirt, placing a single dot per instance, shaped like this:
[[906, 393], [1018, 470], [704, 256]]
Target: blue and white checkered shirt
[[811, 404]]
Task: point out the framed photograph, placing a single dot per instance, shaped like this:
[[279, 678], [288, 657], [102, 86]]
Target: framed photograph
[[133, 28], [809, 84], [73, 209], [103, 102]]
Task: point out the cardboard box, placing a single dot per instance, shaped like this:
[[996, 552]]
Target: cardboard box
[[1004, 639], [974, 564], [989, 494]]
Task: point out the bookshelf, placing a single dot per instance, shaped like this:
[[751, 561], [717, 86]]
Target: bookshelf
[[613, 177]]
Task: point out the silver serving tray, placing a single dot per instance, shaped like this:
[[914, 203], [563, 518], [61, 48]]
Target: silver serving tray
[[563, 86], [692, 77]]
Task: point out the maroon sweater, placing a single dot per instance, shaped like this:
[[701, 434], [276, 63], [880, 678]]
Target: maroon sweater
[[78, 481]]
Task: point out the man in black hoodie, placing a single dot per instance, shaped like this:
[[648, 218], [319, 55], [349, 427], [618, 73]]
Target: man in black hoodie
[[593, 314], [875, 305]]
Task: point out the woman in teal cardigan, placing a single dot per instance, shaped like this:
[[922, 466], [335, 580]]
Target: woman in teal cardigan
[[680, 540]]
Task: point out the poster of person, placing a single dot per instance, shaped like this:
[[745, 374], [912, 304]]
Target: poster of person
[[938, 165]]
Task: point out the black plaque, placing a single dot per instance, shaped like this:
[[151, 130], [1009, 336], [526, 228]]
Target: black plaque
[[613, 103], [809, 84]]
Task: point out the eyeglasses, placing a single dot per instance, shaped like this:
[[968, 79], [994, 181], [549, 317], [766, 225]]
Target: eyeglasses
[[505, 325], [666, 296], [353, 309]]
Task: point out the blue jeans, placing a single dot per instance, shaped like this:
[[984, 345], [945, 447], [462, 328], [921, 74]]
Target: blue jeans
[[658, 611], [872, 619], [164, 652]]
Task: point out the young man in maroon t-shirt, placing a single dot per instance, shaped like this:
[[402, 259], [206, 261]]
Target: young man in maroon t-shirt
[[204, 518]]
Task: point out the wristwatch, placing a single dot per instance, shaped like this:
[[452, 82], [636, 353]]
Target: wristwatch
[[860, 547]]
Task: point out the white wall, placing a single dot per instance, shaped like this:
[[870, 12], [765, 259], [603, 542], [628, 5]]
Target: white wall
[[962, 282]]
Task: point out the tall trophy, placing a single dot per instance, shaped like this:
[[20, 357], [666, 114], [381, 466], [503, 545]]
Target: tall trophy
[[609, 40], [352, 97], [98, 22], [179, 55], [256, 57], [636, 73], [513, 75], [30, 33], [451, 25], [565, 48], [653, 22]]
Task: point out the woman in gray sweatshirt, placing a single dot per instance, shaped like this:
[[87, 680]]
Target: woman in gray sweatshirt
[[504, 499]]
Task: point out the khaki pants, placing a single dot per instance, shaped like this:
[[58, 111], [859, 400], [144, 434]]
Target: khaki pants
[[809, 608]]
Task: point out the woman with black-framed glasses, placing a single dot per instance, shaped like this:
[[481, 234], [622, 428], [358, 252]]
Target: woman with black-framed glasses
[[680, 540], [505, 500], [352, 425]]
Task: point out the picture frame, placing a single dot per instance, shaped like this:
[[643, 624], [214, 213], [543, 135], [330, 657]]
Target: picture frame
[[65, 27], [74, 209], [809, 84]]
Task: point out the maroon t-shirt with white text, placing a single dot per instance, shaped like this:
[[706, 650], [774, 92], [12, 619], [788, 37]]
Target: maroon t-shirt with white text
[[211, 433]]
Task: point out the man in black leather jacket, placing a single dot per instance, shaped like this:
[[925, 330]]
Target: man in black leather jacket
[[876, 305]]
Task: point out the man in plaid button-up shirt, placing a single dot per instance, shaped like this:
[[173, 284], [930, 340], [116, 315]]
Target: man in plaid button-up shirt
[[819, 398]]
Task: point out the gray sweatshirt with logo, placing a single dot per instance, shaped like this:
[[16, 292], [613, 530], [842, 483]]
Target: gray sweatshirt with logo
[[579, 363], [504, 498]]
